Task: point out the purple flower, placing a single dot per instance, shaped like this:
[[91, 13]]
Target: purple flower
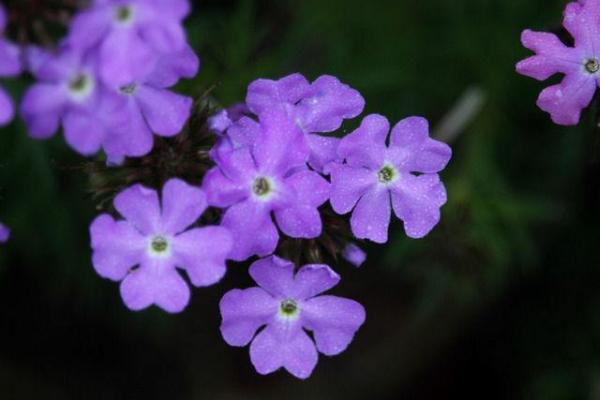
[[4, 233], [319, 107], [149, 107], [221, 121], [10, 65], [144, 250], [69, 92], [288, 305], [580, 64], [270, 176], [403, 174], [130, 35]]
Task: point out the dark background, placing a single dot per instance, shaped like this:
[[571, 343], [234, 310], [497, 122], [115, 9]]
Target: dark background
[[501, 301]]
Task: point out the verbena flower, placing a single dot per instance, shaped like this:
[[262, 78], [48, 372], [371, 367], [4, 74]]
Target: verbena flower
[[270, 176], [377, 177], [148, 108], [144, 249], [10, 65], [4, 233], [68, 91], [130, 35], [288, 305], [320, 107], [580, 64]]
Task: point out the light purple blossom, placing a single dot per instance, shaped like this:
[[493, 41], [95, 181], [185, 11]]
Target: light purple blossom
[[68, 92], [221, 121], [320, 107], [149, 108], [580, 64], [268, 177], [10, 65], [144, 250], [130, 35], [288, 305], [4, 233], [403, 173]]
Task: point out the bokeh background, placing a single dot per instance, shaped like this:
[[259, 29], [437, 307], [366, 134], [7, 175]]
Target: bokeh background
[[501, 301]]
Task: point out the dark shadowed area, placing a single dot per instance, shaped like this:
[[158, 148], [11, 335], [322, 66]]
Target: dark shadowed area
[[500, 301]]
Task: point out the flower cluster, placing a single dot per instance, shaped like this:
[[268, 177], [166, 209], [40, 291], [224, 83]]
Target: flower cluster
[[279, 175], [108, 82], [579, 64], [10, 65]]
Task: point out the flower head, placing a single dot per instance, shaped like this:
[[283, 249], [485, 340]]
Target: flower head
[[318, 107], [10, 65], [579, 64], [144, 249], [403, 173], [68, 92], [130, 35], [268, 176], [288, 305]]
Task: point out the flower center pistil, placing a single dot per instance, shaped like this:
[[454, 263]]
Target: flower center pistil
[[592, 65], [159, 245], [123, 14], [128, 89], [288, 309], [262, 187], [81, 86], [387, 174]]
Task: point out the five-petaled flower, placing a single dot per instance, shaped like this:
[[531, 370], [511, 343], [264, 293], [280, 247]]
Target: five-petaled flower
[[144, 250], [403, 174], [580, 64], [286, 305], [269, 176]]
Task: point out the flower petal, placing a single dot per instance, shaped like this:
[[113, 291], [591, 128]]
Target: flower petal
[[334, 321], [294, 351], [202, 253], [253, 229], [365, 147], [327, 104], [140, 207], [155, 282], [275, 275], [165, 111], [552, 56], [7, 109], [313, 279], [125, 58], [117, 247], [182, 205], [244, 312], [348, 185], [424, 155], [371, 217], [310, 188], [565, 101], [417, 201], [264, 94], [222, 191], [83, 132], [300, 221]]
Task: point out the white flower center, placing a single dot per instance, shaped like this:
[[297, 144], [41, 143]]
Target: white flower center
[[81, 86], [263, 187], [387, 174], [592, 65], [288, 310], [124, 14], [159, 246]]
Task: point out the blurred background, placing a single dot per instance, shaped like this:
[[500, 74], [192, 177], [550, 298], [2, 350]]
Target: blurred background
[[500, 301]]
